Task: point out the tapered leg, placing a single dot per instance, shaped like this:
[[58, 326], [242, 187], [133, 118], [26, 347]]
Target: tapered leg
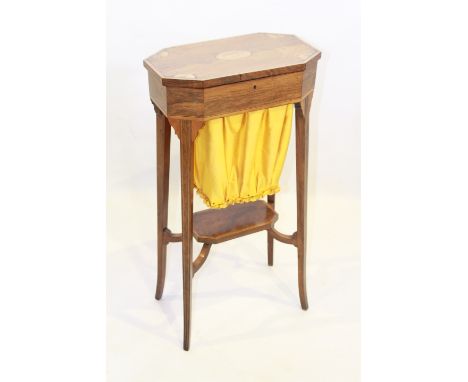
[[163, 143], [302, 153], [271, 203], [186, 170]]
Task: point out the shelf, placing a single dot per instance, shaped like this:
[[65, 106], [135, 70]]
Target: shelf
[[217, 225]]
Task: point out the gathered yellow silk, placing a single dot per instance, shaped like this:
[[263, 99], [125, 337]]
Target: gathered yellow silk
[[239, 158]]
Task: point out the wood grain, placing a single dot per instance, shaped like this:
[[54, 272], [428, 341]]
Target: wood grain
[[163, 146], [229, 60], [205, 104], [253, 95], [201, 258], [186, 174], [308, 81], [218, 225], [158, 92], [271, 204], [176, 124], [231, 76], [302, 158], [286, 239]]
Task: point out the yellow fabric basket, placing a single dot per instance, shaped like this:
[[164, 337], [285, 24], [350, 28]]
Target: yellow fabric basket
[[239, 158]]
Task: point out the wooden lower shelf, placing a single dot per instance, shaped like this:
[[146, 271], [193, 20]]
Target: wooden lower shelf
[[217, 225]]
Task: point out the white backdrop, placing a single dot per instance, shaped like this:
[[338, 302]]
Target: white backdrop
[[246, 319]]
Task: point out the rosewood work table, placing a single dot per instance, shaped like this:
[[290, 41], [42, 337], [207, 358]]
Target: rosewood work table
[[198, 87]]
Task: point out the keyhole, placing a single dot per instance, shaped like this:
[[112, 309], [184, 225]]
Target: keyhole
[[255, 87]]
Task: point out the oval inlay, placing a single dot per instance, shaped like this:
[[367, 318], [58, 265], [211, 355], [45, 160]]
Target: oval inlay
[[164, 53], [185, 76], [233, 55]]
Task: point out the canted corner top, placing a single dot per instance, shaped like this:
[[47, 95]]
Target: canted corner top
[[230, 60]]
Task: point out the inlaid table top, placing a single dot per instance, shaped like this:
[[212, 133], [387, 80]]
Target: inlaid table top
[[225, 61]]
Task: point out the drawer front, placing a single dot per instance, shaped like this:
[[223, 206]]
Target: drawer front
[[253, 95], [234, 98]]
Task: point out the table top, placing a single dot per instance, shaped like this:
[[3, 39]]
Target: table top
[[230, 60]]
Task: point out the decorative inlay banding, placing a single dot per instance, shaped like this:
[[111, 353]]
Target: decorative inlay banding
[[233, 55], [304, 56], [185, 76]]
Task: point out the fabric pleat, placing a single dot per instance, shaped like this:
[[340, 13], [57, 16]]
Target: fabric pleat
[[239, 158]]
